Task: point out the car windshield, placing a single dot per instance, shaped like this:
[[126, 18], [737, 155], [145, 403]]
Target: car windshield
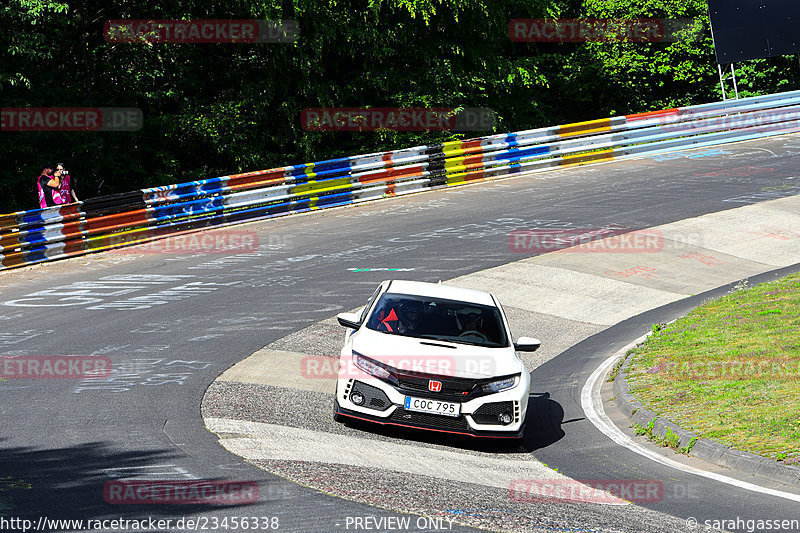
[[438, 319]]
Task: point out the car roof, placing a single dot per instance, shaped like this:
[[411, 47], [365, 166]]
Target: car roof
[[438, 290]]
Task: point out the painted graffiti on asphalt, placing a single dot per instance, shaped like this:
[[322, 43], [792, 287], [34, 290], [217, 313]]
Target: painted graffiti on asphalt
[[293, 263], [690, 155], [500, 226], [8, 338], [768, 193], [144, 372], [105, 293]]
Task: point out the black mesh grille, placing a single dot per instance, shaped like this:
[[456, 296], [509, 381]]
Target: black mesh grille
[[377, 403], [374, 397], [487, 413], [402, 416]]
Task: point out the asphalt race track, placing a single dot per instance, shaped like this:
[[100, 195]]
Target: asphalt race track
[[171, 323]]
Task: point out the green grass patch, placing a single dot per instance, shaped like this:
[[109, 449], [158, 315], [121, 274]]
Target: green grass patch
[[670, 439], [730, 370], [617, 367]]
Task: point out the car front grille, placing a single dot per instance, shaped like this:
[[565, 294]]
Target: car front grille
[[453, 389], [401, 416]]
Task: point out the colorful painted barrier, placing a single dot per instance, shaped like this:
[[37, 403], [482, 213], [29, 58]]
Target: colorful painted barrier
[[107, 222]]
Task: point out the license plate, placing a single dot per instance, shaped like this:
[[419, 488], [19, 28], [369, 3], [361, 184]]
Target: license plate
[[434, 407]]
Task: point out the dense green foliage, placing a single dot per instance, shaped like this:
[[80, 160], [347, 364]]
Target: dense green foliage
[[216, 109]]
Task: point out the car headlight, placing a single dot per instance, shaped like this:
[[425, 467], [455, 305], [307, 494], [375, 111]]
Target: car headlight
[[369, 366], [500, 384]]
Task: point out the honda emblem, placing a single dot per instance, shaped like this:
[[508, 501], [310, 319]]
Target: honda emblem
[[434, 386]]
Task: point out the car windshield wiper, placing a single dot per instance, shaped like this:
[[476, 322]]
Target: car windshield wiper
[[432, 337], [448, 339]]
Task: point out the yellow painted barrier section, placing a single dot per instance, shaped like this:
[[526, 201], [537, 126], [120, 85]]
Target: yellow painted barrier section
[[453, 148], [309, 170], [454, 164], [104, 241], [456, 179], [466, 177], [582, 159], [322, 186], [583, 128]]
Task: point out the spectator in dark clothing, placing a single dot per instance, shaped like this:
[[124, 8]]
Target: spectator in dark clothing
[[48, 184]]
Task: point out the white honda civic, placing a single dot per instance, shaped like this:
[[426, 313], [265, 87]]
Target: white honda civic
[[433, 357]]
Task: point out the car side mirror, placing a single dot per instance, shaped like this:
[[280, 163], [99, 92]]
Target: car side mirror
[[349, 320], [527, 344]]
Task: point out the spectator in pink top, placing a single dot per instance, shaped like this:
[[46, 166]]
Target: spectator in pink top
[[66, 191], [48, 184]]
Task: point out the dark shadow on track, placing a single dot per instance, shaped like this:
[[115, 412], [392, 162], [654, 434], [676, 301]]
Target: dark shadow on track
[[68, 483], [543, 428], [412, 435], [544, 420]]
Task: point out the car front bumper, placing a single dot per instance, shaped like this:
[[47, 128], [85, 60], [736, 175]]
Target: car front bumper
[[465, 424]]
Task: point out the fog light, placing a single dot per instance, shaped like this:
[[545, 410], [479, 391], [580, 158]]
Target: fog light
[[505, 418], [357, 398]]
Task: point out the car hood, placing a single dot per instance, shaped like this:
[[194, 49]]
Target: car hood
[[436, 357]]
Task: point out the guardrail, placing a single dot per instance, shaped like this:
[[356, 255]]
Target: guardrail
[[107, 222]]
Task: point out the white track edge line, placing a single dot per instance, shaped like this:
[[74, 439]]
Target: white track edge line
[[592, 405]]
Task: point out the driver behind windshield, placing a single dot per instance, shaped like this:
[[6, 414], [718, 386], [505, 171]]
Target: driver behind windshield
[[470, 319], [404, 318], [410, 313]]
